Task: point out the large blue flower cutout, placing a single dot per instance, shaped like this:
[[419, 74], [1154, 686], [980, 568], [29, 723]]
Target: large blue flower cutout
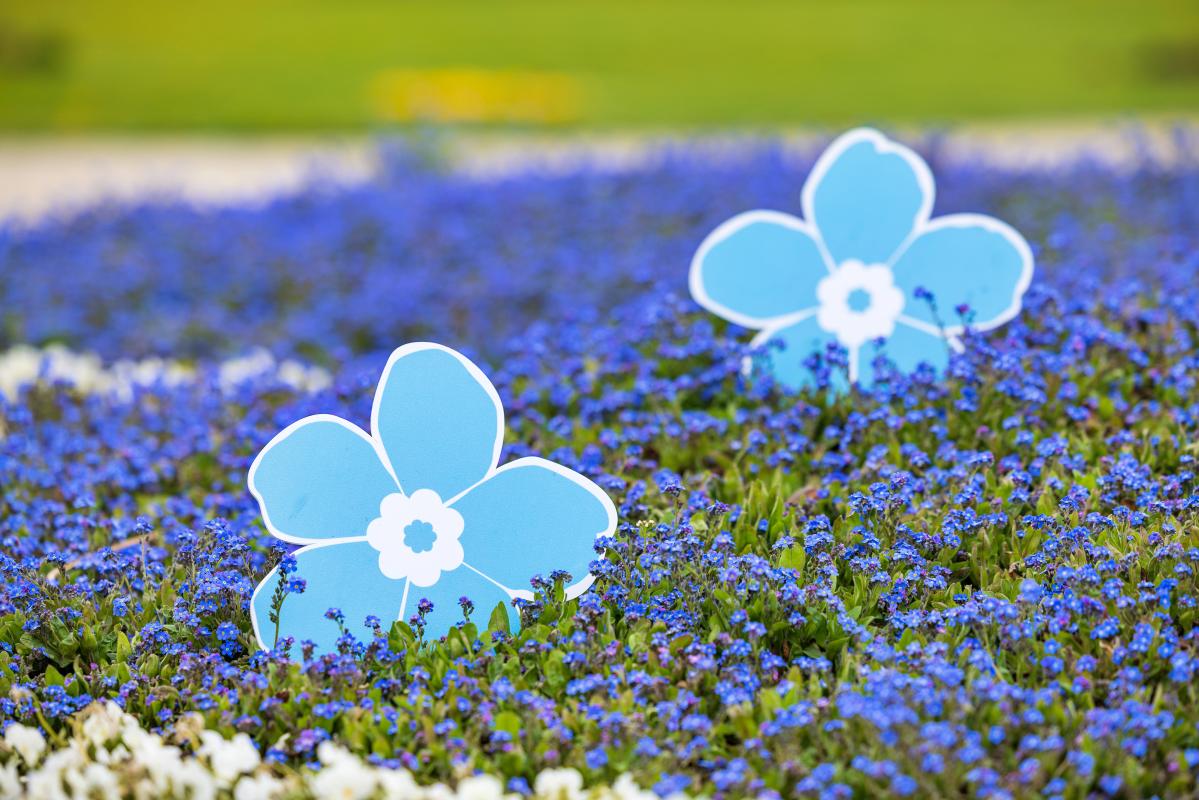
[[850, 271], [417, 509]]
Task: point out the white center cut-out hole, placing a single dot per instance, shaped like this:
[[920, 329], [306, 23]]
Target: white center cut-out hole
[[859, 303], [417, 537]]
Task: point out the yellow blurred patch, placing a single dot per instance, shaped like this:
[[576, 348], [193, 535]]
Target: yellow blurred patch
[[476, 95]]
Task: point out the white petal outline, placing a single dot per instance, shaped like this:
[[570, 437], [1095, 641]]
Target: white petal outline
[[993, 225], [951, 341], [932, 330], [281, 436], [590, 486], [573, 591], [269, 580], [884, 146], [747, 363], [471, 368], [922, 223], [852, 353], [724, 231]]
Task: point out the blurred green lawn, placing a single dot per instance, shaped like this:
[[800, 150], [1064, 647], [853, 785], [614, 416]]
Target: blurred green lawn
[[68, 65]]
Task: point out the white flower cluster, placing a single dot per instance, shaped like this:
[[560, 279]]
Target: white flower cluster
[[23, 365], [110, 756]]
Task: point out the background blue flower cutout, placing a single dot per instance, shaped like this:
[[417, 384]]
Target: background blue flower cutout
[[418, 508], [851, 272]]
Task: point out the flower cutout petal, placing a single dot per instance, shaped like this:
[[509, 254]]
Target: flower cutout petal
[[866, 212], [533, 516], [344, 576], [866, 195], [796, 354], [444, 595], [906, 349], [321, 478], [438, 426], [966, 259], [439, 419], [757, 267]]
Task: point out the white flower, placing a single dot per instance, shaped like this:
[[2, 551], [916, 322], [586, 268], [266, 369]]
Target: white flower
[[10, 782], [45, 783], [308, 379], [94, 781], [397, 784], [417, 537], [160, 760], [437, 791], [28, 742], [142, 766], [229, 757], [258, 787], [190, 779], [859, 303], [558, 784], [103, 723], [626, 788], [346, 780], [343, 776], [480, 787], [23, 365], [329, 753]]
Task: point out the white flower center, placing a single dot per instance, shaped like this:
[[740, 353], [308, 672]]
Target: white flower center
[[859, 303], [417, 537]]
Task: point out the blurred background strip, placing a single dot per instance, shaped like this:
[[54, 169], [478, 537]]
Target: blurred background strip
[[308, 66]]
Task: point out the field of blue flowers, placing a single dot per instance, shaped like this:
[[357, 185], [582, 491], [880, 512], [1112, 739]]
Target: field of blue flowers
[[981, 584]]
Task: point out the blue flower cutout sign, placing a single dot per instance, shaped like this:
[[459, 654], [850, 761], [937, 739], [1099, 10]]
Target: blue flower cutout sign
[[865, 268], [417, 509]]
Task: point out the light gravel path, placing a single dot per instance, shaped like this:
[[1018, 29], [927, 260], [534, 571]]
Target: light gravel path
[[48, 176]]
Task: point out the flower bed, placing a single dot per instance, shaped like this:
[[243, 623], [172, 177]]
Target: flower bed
[[980, 585], [109, 754]]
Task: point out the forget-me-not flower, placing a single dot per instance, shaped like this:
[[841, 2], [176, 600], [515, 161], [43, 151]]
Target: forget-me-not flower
[[856, 269], [417, 509]]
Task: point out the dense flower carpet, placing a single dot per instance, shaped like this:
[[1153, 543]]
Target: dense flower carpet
[[974, 584]]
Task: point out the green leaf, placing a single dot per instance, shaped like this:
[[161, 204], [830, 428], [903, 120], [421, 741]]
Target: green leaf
[[124, 649], [400, 636], [680, 643], [508, 722], [90, 643], [793, 558], [499, 619], [1047, 503], [53, 677]]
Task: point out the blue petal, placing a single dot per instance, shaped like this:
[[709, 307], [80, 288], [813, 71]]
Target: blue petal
[[866, 195], [320, 478], [795, 355], [532, 517], [439, 419], [462, 582], [344, 575], [756, 267], [965, 258], [906, 349]]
